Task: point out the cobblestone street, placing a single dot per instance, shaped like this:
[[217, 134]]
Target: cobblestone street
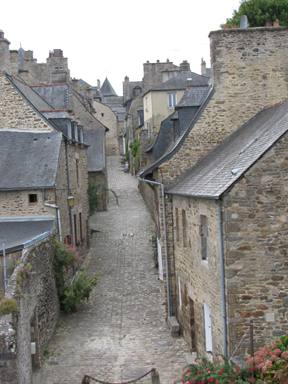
[[121, 332]]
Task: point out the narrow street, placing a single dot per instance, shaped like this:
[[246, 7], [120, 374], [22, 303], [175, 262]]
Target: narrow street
[[121, 332]]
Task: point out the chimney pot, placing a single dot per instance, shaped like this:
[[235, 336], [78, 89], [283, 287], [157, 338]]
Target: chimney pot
[[225, 26], [167, 60], [147, 61], [157, 61], [269, 24], [276, 23], [234, 26]]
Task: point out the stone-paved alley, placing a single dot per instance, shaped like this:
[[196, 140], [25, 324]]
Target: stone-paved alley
[[121, 332]]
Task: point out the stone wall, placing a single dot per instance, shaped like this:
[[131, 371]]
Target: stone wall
[[77, 158], [16, 112], [106, 116], [153, 74], [16, 203], [200, 280], [256, 222], [38, 312], [248, 73], [100, 178]]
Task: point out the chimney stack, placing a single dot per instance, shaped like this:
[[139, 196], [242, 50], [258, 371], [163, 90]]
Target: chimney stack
[[75, 85], [185, 66], [203, 67], [5, 63], [126, 88]]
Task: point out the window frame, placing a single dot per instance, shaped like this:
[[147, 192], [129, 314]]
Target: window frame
[[172, 100]]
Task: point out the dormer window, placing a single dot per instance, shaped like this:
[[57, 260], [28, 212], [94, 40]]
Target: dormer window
[[137, 91]]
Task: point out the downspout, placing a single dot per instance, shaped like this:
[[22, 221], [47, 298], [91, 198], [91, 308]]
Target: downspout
[[58, 214], [222, 268], [165, 240], [69, 191]]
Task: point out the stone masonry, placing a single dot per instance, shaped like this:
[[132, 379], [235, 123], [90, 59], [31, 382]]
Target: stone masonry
[[38, 312], [248, 73], [121, 332], [16, 112]]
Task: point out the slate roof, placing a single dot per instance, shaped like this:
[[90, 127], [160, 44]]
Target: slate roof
[[132, 85], [175, 145], [107, 89], [28, 160], [180, 81], [193, 97], [96, 150], [30, 94], [21, 232], [216, 173], [56, 95]]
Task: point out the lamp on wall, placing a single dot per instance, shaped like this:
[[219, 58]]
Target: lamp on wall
[[70, 200]]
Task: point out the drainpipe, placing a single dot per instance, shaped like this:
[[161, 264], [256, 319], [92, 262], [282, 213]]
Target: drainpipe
[[69, 191], [58, 214], [165, 240], [222, 277], [4, 264]]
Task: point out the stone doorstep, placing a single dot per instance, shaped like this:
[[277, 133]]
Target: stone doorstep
[[173, 324]]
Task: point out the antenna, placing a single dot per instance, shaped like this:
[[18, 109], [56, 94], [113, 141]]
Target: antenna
[[244, 22]]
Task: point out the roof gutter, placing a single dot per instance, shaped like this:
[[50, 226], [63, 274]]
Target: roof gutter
[[165, 239]]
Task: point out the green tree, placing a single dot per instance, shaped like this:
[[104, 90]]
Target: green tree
[[260, 11]]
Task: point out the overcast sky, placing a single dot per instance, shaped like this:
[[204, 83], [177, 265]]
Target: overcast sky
[[114, 38]]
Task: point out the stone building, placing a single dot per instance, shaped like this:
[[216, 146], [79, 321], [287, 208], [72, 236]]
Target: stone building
[[110, 98], [160, 101], [247, 74], [230, 238], [133, 103], [43, 180]]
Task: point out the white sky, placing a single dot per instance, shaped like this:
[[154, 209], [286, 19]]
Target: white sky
[[114, 38]]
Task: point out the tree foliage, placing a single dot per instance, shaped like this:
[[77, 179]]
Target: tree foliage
[[260, 11]]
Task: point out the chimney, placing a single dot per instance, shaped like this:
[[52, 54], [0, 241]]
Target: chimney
[[185, 66], [75, 85], [5, 63], [14, 62], [126, 89], [203, 67], [89, 93], [28, 55], [98, 84]]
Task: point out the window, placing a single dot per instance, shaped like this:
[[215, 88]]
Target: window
[[177, 223], [172, 100], [77, 171], [147, 109], [137, 91], [139, 119], [184, 228], [204, 234], [148, 129], [32, 198], [179, 289], [102, 114], [80, 226], [75, 229]]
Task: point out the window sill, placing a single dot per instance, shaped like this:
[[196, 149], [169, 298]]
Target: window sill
[[205, 263]]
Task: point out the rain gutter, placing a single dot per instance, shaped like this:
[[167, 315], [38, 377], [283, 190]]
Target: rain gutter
[[165, 239]]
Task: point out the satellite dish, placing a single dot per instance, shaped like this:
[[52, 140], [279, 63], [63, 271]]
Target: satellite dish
[[244, 22]]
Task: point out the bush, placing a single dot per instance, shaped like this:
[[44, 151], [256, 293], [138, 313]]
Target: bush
[[78, 291], [218, 372], [70, 296], [8, 306], [95, 194], [271, 362]]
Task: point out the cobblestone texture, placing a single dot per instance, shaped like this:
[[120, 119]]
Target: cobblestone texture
[[121, 332]]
